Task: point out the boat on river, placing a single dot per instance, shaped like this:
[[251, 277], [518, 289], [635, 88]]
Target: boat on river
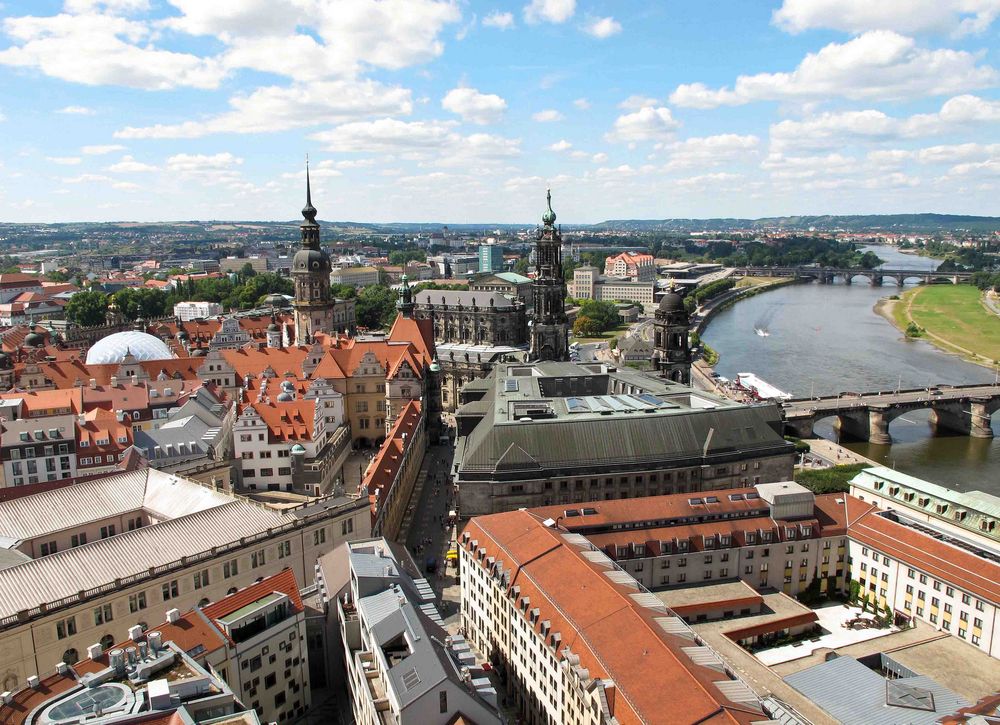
[[761, 332], [758, 388]]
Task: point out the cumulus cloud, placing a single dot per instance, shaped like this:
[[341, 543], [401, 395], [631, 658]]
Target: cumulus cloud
[[128, 165], [77, 111], [879, 64], [582, 103], [277, 108], [634, 103], [561, 145], [904, 16], [547, 116], [473, 106], [602, 28], [599, 158], [711, 150], [499, 20], [101, 149], [646, 124], [64, 160], [549, 11]]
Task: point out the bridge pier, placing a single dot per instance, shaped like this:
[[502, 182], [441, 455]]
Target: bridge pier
[[979, 413], [878, 426], [876, 280], [854, 424], [800, 428], [848, 279]]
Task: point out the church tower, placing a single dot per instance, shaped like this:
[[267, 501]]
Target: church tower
[[405, 303], [549, 326], [672, 349], [311, 269]]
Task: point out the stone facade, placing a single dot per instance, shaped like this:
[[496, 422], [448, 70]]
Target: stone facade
[[550, 327], [672, 348]]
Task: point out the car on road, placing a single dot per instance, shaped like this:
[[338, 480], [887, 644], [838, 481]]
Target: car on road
[[431, 564]]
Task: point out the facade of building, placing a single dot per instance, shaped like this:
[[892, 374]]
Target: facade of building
[[548, 433], [772, 536], [354, 276], [549, 325], [511, 284], [490, 258], [129, 544], [311, 269], [258, 264], [186, 311], [576, 640], [671, 356], [633, 266], [589, 284], [402, 665], [393, 471]]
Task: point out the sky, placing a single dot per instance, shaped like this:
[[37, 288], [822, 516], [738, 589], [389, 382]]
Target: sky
[[461, 111]]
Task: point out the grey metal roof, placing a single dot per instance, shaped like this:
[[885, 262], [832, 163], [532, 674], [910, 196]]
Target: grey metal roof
[[465, 298], [852, 693], [93, 565]]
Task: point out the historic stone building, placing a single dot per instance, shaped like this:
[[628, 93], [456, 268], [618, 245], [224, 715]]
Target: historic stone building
[[671, 347], [314, 306], [472, 331], [550, 327]]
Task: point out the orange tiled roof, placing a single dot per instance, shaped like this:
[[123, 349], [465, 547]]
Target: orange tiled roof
[[292, 421], [383, 469], [283, 581], [26, 700], [615, 637], [39, 400]]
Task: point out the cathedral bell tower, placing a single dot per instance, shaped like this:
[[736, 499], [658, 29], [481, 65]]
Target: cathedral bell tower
[[672, 349], [549, 326], [311, 269]]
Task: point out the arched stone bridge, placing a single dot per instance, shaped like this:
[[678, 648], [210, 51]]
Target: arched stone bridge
[[960, 408], [826, 275]]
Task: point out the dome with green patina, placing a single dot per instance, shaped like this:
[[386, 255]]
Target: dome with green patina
[[549, 217]]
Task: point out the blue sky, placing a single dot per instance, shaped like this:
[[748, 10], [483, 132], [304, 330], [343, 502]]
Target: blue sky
[[430, 110]]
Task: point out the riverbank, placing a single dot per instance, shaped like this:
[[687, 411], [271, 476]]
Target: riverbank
[[731, 297], [953, 318]]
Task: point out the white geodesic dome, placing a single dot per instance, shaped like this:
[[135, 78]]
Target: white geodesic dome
[[141, 345]]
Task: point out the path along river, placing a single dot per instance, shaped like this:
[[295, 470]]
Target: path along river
[[825, 339]]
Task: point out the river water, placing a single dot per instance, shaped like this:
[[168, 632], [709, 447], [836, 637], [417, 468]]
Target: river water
[[825, 339]]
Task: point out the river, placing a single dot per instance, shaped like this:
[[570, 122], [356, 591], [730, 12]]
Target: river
[[825, 339]]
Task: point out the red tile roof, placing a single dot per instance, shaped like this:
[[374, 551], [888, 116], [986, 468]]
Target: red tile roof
[[956, 566], [382, 471], [292, 421], [26, 700], [615, 637], [283, 581]]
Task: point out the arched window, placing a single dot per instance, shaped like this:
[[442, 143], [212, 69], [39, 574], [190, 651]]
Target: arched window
[[71, 656], [204, 602], [232, 590], [107, 642]]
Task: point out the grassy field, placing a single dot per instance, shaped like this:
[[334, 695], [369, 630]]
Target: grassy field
[[757, 281], [953, 318], [835, 479], [609, 335]]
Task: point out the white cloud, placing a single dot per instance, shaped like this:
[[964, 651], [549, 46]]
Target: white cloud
[[879, 64], [220, 168], [125, 186], [277, 108], [549, 11], [97, 49], [129, 165], [831, 130], [705, 181], [599, 158], [473, 106], [86, 179], [429, 141], [711, 150], [602, 27], [646, 124], [99, 150], [499, 20], [2, 117], [582, 103], [806, 167], [634, 103], [561, 145], [547, 116], [904, 16], [77, 111], [64, 160]]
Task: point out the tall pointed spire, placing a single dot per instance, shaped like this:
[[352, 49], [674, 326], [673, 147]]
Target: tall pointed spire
[[549, 217], [309, 211]]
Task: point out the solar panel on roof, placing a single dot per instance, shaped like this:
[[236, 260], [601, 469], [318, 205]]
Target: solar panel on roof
[[510, 385]]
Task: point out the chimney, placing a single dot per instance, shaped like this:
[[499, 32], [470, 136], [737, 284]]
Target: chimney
[[135, 632], [114, 381], [33, 682], [94, 651], [173, 615], [7, 697], [93, 383], [153, 638]]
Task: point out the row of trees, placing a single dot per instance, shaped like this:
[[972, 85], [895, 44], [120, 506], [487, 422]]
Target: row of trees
[[790, 252], [707, 292], [595, 318]]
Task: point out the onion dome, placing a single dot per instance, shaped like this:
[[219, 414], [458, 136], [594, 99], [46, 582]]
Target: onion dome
[[549, 217], [34, 339]]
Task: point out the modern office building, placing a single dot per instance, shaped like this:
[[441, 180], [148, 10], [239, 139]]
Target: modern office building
[[402, 666], [187, 311], [549, 433], [490, 258]]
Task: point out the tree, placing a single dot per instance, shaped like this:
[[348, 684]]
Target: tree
[[87, 308], [521, 266], [57, 276], [376, 307], [586, 327], [401, 257], [604, 314], [342, 291]]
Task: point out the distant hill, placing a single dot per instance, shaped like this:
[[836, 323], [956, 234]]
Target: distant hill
[[851, 223]]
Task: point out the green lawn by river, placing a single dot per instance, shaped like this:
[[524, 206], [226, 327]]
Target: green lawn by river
[[953, 317]]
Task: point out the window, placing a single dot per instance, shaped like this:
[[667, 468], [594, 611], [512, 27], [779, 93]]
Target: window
[[270, 681], [909, 589], [201, 579], [255, 663], [170, 590], [103, 614], [910, 573], [284, 549], [49, 548], [950, 591], [230, 569], [66, 628], [947, 608], [257, 559], [136, 602], [107, 531], [347, 526], [923, 578], [443, 701], [966, 598], [78, 539], [71, 656], [319, 537]]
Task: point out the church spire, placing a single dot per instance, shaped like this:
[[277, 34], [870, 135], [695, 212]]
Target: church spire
[[549, 217], [308, 211]]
